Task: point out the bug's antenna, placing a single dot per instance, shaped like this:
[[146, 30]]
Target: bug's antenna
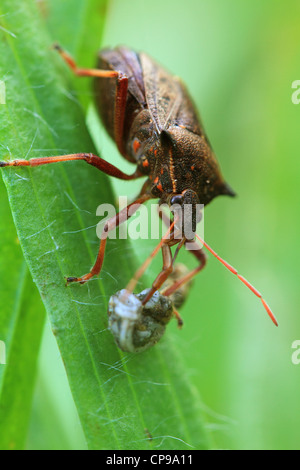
[[244, 281]]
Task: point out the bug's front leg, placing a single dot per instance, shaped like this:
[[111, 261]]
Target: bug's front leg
[[201, 257], [111, 224], [139, 273], [165, 272], [196, 251]]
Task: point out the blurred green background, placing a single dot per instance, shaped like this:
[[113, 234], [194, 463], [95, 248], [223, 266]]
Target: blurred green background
[[239, 60]]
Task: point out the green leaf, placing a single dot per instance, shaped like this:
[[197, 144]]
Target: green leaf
[[21, 326], [118, 396], [22, 317]]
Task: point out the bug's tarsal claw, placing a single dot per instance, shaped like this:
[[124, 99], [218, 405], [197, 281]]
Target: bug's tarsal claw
[[80, 280], [71, 279], [178, 318], [57, 47]]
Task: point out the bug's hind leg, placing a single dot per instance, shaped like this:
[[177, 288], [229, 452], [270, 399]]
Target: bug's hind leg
[[121, 92], [84, 72]]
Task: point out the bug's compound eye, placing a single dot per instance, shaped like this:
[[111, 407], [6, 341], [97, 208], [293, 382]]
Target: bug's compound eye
[[190, 197], [177, 199]]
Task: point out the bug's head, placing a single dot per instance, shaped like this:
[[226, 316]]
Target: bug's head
[[186, 208]]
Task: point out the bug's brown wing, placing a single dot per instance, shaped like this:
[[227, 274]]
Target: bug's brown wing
[[163, 93], [126, 61]]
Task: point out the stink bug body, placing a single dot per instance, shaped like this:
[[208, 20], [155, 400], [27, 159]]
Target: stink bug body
[[150, 116]]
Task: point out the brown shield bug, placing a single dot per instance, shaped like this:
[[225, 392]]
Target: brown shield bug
[[151, 117]]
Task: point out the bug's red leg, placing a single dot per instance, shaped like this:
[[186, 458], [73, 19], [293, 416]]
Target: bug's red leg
[[90, 158], [178, 318], [132, 283], [164, 274], [200, 255], [197, 251], [83, 72], [111, 224], [121, 92]]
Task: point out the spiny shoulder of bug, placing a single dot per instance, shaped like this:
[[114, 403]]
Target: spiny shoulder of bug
[[179, 162]]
